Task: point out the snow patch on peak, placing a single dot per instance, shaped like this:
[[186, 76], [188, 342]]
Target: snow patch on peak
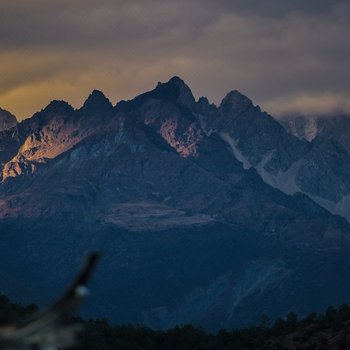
[[236, 152], [284, 181]]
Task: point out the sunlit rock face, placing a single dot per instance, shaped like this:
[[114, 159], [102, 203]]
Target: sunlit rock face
[[182, 135], [169, 110], [185, 200], [7, 120], [51, 132]]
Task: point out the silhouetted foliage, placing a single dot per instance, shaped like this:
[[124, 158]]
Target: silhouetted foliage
[[315, 331], [10, 311]]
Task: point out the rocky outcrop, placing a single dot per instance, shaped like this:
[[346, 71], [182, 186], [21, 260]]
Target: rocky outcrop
[[7, 120], [51, 132]]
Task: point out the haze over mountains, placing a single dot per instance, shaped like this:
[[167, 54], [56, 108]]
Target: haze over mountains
[[334, 126], [206, 214]]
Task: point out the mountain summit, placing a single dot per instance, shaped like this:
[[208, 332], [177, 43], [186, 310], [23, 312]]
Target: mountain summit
[[236, 102], [173, 91], [97, 104]]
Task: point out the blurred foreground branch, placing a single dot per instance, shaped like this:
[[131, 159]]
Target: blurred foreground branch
[[50, 329]]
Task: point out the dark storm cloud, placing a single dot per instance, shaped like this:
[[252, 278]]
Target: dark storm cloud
[[278, 8], [96, 24], [37, 22], [284, 54]]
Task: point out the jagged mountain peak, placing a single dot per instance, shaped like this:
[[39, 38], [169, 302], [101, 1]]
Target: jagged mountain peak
[[203, 100], [6, 114], [7, 120], [96, 96], [175, 90], [97, 103], [58, 106], [177, 81], [235, 100]]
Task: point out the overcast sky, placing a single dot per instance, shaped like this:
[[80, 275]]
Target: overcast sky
[[286, 55]]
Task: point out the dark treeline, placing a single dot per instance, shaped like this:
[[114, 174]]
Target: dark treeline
[[330, 330]]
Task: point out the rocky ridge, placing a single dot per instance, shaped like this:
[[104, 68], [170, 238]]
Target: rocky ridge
[[169, 188], [317, 168]]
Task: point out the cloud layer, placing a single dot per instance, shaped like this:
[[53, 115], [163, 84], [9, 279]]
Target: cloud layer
[[286, 55]]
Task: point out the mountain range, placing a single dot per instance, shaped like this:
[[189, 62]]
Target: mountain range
[[205, 214]]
